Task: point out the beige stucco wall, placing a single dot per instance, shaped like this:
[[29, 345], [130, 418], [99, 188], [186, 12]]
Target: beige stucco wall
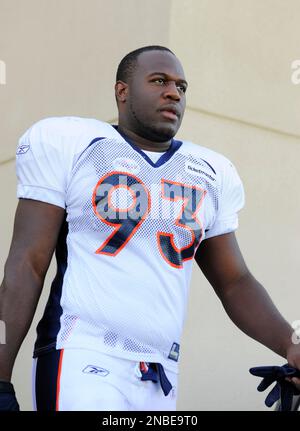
[[61, 58], [269, 239], [237, 56]]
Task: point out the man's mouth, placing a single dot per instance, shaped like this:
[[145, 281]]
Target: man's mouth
[[170, 112], [170, 115]]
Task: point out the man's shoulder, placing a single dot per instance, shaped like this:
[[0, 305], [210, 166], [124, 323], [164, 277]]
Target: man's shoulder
[[65, 134], [69, 126], [215, 159]]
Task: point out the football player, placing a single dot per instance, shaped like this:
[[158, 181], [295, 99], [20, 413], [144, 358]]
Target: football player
[[126, 209]]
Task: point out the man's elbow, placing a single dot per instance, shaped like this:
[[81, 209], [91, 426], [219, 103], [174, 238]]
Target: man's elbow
[[228, 289], [21, 271]]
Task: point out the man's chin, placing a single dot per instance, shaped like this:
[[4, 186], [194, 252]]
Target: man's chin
[[164, 133]]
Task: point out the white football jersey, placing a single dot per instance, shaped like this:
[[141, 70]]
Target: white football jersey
[[132, 227]]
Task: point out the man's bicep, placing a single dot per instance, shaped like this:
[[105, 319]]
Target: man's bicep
[[221, 261], [36, 229]]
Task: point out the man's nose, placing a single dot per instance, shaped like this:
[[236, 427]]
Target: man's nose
[[172, 92]]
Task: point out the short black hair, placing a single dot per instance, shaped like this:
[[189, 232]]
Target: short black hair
[[128, 63]]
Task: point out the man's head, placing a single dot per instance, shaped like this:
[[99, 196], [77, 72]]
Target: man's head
[[150, 93]]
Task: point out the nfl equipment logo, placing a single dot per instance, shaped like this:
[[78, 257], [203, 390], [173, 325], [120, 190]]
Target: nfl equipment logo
[[174, 352], [22, 149], [94, 369]]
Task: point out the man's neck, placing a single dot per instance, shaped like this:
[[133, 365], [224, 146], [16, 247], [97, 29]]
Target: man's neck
[[145, 144]]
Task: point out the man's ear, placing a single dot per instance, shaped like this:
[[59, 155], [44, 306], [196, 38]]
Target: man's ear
[[121, 91]]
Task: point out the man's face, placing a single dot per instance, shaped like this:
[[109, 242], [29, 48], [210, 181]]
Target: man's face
[[155, 100]]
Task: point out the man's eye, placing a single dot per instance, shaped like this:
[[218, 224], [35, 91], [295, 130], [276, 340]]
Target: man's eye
[[159, 80], [181, 88]]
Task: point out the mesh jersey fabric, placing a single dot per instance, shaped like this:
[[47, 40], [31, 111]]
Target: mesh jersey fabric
[[124, 256], [154, 156]]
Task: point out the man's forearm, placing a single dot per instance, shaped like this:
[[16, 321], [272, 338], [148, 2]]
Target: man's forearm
[[19, 295], [249, 306]]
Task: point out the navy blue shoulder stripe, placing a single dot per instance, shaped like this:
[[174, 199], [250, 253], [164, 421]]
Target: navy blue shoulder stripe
[[210, 166], [86, 148]]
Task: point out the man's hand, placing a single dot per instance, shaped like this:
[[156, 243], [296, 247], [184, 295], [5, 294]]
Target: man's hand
[[8, 401], [284, 390], [293, 358]]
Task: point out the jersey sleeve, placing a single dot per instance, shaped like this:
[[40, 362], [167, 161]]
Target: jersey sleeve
[[231, 201], [42, 165]]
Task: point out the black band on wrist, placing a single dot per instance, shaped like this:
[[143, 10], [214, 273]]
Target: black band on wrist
[[6, 387]]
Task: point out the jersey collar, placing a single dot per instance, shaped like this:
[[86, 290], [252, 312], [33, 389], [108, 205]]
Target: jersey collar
[[175, 145]]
